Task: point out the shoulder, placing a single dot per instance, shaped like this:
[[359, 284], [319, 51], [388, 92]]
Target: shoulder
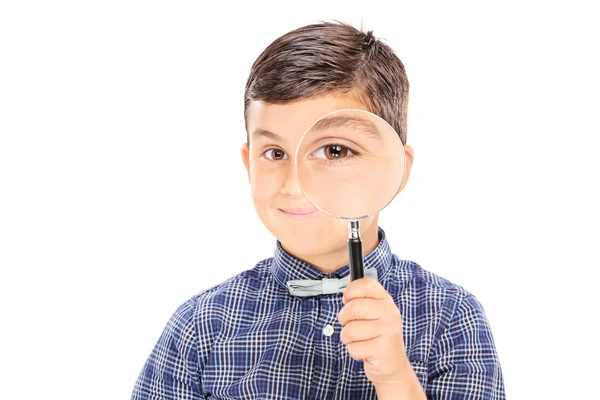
[[250, 280], [230, 296], [424, 295], [432, 306], [414, 278], [458, 305], [463, 300], [216, 307]]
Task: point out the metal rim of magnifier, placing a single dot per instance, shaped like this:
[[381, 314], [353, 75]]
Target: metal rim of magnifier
[[298, 177]]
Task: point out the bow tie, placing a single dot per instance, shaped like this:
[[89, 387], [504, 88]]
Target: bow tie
[[313, 287]]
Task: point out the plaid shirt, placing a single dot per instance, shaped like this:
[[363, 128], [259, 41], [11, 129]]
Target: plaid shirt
[[248, 338]]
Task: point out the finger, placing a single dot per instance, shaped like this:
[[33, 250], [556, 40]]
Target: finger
[[358, 331], [364, 287], [361, 309], [363, 350]]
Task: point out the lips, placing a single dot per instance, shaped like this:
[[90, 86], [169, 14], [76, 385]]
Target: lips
[[301, 213]]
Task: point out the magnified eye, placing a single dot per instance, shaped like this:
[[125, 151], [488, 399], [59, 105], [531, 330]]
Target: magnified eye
[[333, 152], [275, 155]]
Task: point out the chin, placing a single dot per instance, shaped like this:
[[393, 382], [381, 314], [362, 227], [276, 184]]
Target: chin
[[305, 248], [310, 238]]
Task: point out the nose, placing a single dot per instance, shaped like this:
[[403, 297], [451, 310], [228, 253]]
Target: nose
[[290, 185]]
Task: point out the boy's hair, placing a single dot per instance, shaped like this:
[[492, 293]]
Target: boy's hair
[[331, 57]]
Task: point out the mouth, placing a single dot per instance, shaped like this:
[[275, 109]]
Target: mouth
[[301, 213]]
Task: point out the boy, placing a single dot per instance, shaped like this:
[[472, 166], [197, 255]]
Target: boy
[[408, 334]]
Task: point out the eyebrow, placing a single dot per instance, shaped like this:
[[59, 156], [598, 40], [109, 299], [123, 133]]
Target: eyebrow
[[327, 123], [347, 122], [263, 133]]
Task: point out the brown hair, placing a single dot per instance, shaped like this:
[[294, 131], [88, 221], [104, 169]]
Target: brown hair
[[331, 57]]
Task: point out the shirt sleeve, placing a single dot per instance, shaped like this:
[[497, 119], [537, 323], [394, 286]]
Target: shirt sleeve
[[172, 369], [465, 364]]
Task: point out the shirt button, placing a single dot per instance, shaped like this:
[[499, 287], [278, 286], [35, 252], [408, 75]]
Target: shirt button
[[328, 330]]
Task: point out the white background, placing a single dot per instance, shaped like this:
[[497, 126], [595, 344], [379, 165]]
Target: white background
[[122, 192]]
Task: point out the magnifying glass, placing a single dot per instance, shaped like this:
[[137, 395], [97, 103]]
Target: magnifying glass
[[350, 164]]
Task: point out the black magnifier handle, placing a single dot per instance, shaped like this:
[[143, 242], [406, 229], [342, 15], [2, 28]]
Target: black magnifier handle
[[355, 252]]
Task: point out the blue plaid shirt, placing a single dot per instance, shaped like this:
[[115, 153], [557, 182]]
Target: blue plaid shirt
[[248, 338]]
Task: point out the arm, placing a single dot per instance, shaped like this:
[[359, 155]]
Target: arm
[[373, 333], [172, 371], [464, 364], [408, 388]]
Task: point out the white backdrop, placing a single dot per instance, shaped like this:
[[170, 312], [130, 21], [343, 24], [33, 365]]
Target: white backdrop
[[122, 191]]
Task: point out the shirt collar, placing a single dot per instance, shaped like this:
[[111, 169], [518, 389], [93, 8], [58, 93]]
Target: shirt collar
[[286, 267]]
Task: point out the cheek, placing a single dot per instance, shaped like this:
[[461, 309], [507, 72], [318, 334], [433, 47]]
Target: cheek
[[265, 181]]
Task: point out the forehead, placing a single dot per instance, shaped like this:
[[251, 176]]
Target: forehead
[[289, 121]]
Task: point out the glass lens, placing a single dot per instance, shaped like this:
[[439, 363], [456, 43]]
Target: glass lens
[[350, 164]]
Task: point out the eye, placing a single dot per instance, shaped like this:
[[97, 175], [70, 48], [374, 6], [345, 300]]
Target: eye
[[275, 154], [333, 152]]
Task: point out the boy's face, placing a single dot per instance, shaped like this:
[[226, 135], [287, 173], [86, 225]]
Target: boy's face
[[274, 132]]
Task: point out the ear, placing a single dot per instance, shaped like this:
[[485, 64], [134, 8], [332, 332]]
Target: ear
[[246, 158], [410, 156]]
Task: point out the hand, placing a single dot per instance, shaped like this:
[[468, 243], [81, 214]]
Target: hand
[[373, 332]]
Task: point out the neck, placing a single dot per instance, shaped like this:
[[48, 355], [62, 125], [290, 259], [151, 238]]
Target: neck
[[338, 258]]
